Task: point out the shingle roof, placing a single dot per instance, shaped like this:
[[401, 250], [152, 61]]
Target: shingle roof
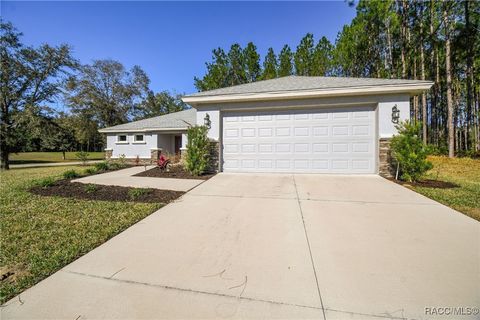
[[177, 120], [298, 83]]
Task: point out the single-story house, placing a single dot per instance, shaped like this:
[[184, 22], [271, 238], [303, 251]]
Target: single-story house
[[147, 138], [291, 124]]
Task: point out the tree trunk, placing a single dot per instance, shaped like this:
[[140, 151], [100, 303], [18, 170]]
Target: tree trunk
[[4, 133], [4, 159], [469, 73], [422, 75], [448, 69]]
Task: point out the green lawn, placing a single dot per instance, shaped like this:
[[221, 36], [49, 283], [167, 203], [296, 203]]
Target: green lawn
[[464, 172], [48, 157], [39, 235]]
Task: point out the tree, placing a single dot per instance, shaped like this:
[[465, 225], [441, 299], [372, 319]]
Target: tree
[[448, 70], [197, 158], [237, 71], [217, 72], [410, 152], [322, 58], [303, 57], [158, 104], [107, 92], [285, 58], [252, 62], [28, 77], [270, 65]]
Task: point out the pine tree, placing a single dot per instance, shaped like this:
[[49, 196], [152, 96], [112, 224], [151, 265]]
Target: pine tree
[[237, 71], [285, 58], [322, 58], [303, 57], [270, 65], [252, 62]]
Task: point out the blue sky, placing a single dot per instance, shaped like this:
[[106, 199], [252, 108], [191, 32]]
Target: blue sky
[[172, 41]]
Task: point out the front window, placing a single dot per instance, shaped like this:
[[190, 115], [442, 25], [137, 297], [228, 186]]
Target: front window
[[138, 138], [122, 138]]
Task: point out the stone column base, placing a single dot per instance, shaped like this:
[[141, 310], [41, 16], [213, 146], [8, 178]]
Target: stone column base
[[386, 166], [155, 154], [108, 154], [214, 156]]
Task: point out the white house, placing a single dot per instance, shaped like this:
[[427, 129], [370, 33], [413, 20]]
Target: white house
[[289, 124], [146, 138]]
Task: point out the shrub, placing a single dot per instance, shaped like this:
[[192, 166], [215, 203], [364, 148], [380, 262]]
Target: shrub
[[409, 152], [82, 156], [114, 166], [136, 193], [102, 166], [122, 160], [70, 174], [90, 188], [197, 157], [90, 171], [44, 182]]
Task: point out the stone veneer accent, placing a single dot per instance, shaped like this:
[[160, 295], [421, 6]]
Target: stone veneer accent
[[155, 154], [214, 156], [108, 153], [385, 163]]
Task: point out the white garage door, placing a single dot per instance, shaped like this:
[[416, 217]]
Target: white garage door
[[340, 140]]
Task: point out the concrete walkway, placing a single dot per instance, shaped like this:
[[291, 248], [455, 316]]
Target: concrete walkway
[[51, 164], [274, 246], [125, 178]]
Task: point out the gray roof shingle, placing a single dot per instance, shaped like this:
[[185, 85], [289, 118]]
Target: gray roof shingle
[[177, 120], [298, 83]]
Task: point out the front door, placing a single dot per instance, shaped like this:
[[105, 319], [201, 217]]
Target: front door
[[178, 144]]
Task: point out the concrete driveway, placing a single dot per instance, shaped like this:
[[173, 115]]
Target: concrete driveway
[[275, 246]]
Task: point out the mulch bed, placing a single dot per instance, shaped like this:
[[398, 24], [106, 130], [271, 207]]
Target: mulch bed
[[77, 190], [177, 172], [428, 183]]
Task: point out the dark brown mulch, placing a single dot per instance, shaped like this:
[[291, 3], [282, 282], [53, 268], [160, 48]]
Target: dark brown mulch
[[77, 190], [177, 172], [428, 183]]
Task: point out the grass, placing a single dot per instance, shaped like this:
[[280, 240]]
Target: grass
[[49, 157], [39, 235], [465, 173]]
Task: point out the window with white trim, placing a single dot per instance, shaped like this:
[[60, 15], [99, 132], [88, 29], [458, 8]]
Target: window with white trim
[[138, 138], [122, 138]]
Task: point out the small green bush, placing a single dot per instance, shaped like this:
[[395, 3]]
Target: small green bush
[[90, 171], [44, 182], [102, 166], [410, 152], [70, 174], [122, 161], [197, 157], [90, 188], [82, 156], [136, 193], [115, 166]]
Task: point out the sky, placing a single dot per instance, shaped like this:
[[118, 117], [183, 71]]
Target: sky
[[171, 41]]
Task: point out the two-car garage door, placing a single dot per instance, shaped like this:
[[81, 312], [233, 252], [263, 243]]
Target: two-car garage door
[[340, 140]]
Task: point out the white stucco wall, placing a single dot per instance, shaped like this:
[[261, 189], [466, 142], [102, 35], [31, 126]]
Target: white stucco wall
[[383, 104], [131, 149], [152, 140], [214, 113], [167, 143]]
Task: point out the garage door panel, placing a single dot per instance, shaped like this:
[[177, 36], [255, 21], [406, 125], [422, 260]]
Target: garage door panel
[[324, 141]]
